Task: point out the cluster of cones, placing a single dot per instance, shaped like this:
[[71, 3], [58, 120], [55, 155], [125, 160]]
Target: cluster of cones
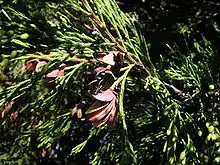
[[37, 65], [104, 108]]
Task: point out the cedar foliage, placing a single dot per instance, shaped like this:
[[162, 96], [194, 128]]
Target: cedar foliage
[[167, 88]]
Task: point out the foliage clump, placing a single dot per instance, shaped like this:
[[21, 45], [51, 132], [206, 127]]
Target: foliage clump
[[133, 105]]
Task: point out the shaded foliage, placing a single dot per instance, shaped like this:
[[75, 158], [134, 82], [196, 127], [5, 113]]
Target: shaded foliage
[[164, 73]]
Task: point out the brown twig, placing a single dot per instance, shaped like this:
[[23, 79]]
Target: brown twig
[[75, 59]]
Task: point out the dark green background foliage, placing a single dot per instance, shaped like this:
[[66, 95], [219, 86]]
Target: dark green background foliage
[[168, 117]]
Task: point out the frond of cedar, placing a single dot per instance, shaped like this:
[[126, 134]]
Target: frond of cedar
[[167, 109]]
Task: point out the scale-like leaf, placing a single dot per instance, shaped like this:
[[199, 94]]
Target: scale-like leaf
[[96, 107], [105, 96], [102, 113]]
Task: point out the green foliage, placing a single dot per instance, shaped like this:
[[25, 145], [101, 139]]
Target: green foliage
[[168, 102]]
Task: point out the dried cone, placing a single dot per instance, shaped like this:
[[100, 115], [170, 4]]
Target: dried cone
[[77, 110], [40, 65], [105, 70], [52, 76], [111, 57], [5, 108], [101, 78], [33, 65], [30, 65], [104, 108]]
